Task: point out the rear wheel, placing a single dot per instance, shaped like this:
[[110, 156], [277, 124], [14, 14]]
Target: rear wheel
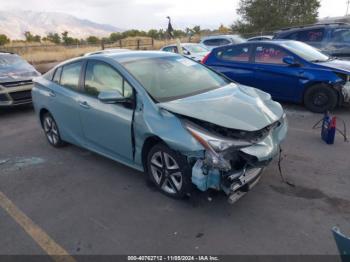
[[320, 98], [51, 131], [169, 171]]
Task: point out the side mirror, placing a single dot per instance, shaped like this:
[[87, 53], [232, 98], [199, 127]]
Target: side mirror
[[186, 52], [111, 97], [289, 60]]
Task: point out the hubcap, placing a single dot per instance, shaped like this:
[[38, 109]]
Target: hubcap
[[166, 172], [51, 131], [320, 99]]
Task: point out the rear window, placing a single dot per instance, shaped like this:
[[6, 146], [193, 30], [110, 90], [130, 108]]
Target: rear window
[[216, 42]]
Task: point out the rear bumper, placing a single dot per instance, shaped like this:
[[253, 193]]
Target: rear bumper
[[15, 95]]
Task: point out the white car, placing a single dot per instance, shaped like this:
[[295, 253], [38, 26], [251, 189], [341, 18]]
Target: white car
[[211, 42], [191, 50]]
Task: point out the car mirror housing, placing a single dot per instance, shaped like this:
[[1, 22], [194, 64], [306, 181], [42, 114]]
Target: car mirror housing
[[290, 60], [111, 97]]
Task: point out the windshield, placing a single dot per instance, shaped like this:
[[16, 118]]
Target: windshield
[[305, 51], [196, 48], [9, 60], [168, 78]]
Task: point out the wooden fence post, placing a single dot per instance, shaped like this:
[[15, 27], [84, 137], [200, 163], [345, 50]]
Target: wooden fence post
[[102, 44], [138, 44]]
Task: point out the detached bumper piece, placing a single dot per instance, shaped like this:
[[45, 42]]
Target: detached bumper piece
[[15, 93]]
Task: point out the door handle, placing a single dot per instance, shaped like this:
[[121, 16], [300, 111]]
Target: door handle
[[84, 104], [52, 93]]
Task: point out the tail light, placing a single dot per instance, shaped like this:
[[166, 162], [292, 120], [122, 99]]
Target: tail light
[[204, 60]]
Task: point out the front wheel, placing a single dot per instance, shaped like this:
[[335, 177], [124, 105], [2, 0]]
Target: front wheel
[[169, 171], [320, 98]]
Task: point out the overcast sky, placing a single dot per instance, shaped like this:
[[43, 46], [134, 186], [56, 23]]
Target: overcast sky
[[145, 14]]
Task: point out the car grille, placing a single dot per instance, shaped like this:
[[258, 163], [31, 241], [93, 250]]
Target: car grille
[[17, 83], [3, 98], [22, 95]]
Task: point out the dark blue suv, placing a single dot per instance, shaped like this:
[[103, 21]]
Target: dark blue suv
[[288, 70], [332, 38]]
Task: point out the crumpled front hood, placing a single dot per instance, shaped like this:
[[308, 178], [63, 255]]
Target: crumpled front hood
[[337, 64], [17, 73], [232, 106]]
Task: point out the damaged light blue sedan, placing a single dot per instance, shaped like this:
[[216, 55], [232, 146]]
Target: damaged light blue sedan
[[164, 114]]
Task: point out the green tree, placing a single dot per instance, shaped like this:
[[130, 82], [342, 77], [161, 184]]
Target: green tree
[[4, 39], [114, 37], [196, 30], [54, 38], [67, 40], [153, 33], [267, 15], [93, 39]]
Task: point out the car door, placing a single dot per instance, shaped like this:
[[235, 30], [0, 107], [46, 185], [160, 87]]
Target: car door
[[106, 127], [64, 94], [235, 63], [273, 76]]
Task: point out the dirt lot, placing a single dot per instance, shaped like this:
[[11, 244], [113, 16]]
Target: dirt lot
[[88, 204]]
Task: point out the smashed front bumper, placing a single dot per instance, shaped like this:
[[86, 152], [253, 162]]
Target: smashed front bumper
[[15, 93], [346, 93], [246, 166]]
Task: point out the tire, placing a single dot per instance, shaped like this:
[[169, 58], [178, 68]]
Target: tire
[[169, 171], [51, 131], [320, 98]]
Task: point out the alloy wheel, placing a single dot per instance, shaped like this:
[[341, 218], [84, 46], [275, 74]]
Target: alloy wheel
[[166, 172], [51, 130]]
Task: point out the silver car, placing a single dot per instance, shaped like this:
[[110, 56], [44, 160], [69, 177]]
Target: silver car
[[16, 80], [191, 50], [212, 42]]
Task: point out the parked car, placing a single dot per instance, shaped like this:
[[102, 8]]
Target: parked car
[[163, 114], [191, 50], [332, 38], [260, 38], [111, 50], [212, 42], [16, 77], [288, 70]]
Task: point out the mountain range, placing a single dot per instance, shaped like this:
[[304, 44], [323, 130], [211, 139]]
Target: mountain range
[[14, 23]]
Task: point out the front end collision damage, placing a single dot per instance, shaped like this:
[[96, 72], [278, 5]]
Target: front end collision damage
[[235, 158], [237, 168]]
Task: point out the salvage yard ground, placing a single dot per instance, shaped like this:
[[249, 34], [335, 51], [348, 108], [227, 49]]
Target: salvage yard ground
[[88, 204]]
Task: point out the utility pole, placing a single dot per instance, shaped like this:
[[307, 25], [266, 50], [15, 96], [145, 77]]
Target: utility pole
[[347, 7]]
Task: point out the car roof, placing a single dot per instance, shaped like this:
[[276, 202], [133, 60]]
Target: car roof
[[218, 36], [318, 25], [107, 51], [182, 44], [135, 55]]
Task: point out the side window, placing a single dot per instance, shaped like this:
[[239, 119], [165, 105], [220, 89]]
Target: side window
[[235, 53], [70, 75], [266, 54], [314, 35], [341, 35], [102, 77], [172, 49], [57, 75]]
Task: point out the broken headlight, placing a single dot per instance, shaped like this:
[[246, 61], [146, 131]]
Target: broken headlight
[[214, 145]]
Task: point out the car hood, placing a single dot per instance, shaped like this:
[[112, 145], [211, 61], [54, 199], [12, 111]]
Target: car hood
[[17, 73], [337, 64], [232, 106]]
